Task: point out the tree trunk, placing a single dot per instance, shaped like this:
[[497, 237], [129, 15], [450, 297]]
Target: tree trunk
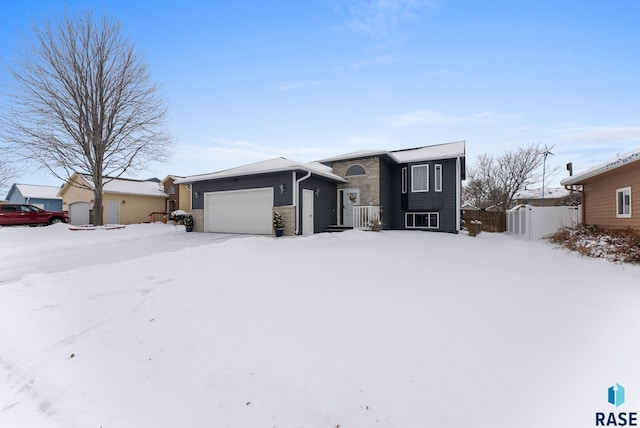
[[98, 218]]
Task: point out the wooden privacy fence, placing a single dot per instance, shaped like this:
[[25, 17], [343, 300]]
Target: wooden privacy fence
[[492, 221]]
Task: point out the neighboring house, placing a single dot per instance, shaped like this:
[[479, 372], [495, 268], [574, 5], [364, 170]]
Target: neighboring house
[[610, 192], [179, 194], [45, 197], [125, 201], [406, 189], [553, 196]]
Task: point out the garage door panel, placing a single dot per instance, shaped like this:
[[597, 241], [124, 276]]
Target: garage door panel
[[239, 211]]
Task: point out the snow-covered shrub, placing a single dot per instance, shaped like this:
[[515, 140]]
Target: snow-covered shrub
[[177, 216], [278, 221], [188, 220], [375, 225], [474, 228], [618, 245]]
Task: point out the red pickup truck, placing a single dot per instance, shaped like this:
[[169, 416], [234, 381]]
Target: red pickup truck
[[13, 214]]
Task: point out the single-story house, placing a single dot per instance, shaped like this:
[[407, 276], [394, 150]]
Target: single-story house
[[125, 201], [608, 191], [553, 196], [45, 197], [418, 188]]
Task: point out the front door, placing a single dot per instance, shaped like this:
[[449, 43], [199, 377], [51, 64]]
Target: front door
[[350, 198], [307, 212], [113, 212]]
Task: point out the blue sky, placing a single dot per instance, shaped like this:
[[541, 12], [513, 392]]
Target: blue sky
[[307, 79]]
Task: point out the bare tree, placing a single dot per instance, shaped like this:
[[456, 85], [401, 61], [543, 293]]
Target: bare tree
[[495, 180], [83, 101], [6, 175]]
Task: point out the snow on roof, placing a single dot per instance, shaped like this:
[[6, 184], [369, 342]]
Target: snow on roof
[[265, 167], [130, 186], [536, 193], [356, 155], [417, 154], [438, 151], [602, 168], [39, 192]]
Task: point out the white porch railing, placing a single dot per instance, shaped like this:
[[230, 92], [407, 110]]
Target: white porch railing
[[366, 216]]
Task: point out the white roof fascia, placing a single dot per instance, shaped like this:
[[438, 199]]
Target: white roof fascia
[[435, 152], [602, 168], [264, 167]]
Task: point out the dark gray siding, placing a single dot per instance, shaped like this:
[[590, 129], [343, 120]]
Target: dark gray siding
[[442, 202], [324, 203], [390, 190], [247, 182]]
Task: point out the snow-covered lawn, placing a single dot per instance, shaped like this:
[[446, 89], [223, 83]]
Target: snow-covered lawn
[[149, 326]]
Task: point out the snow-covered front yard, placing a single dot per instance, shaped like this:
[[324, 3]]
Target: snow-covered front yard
[[149, 326]]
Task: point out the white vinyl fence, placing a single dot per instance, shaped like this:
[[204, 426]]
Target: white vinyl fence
[[529, 222]]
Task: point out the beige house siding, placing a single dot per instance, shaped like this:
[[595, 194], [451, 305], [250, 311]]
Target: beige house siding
[[76, 194], [599, 197], [369, 184], [133, 208], [184, 201]]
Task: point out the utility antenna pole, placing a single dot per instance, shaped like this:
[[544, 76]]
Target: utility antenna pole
[[545, 153]]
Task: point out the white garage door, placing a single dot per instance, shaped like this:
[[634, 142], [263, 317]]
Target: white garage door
[[79, 213], [239, 211]]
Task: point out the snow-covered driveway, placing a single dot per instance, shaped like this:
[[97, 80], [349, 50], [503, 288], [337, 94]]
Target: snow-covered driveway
[[392, 329]]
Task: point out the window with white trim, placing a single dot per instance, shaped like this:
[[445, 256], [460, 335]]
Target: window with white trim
[[437, 172], [623, 202], [404, 180], [420, 178], [422, 220]]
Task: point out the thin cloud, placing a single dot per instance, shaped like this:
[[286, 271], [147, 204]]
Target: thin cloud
[[433, 117], [371, 62], [604, 135], [382, 18], [297, 84], [229, 153]]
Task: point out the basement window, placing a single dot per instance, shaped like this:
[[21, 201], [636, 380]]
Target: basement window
[[623, 202], [422, 220]]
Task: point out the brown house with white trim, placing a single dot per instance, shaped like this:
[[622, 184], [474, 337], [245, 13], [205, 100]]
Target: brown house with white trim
[[609, 191]]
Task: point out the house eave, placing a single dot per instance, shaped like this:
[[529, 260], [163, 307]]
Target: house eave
[[602, 168], [223, 175]]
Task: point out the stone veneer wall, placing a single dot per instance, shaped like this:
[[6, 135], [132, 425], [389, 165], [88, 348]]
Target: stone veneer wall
[[369, 184], [288, 213], [198, 220]]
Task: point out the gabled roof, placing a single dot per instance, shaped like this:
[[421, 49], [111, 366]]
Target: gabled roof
[[435, 152], [35, 191], [356, 155], [124, 186], [612, 164], [171, 177], [265, 167], [416, 154]]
